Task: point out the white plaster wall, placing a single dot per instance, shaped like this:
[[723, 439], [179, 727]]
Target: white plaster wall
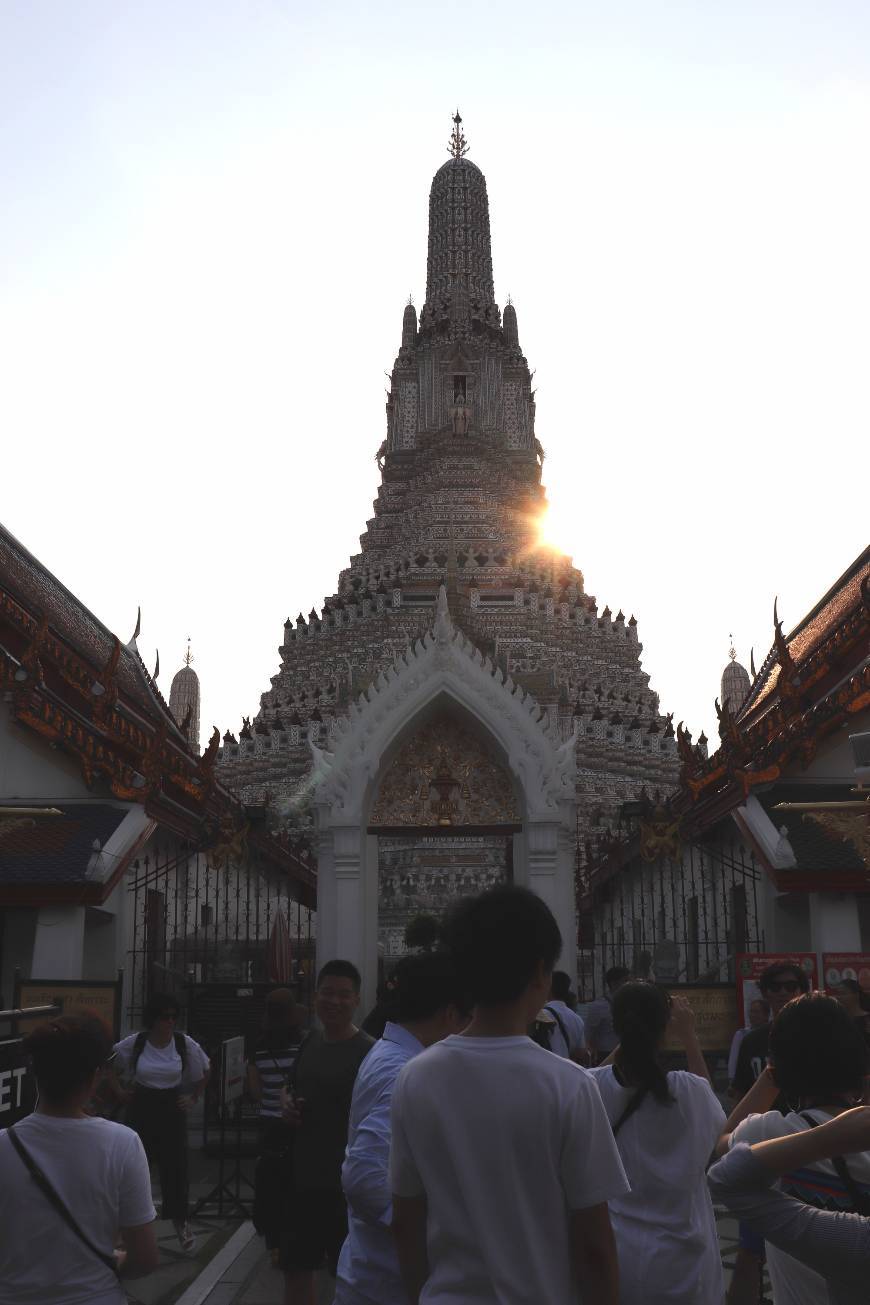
[[789, 926], [30, 771], [834, 759], [834, 922]]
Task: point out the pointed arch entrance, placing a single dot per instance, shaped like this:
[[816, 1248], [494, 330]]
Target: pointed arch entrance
[[442, 673]]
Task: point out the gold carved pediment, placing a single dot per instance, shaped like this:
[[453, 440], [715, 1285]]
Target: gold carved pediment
[[444, 775]]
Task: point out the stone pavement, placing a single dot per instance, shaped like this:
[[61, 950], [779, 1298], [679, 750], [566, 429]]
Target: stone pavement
[[177, 1268], [251, 1280]]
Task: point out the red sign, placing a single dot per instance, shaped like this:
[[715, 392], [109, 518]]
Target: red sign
[[749, 969], [837, 966]]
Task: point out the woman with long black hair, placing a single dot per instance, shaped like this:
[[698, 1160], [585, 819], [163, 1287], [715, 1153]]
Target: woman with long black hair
[[666, 1125]]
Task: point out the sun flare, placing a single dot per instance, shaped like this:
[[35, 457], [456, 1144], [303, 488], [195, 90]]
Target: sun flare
[[555, 529]]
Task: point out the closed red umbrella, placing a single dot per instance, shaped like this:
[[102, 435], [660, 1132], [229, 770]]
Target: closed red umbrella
[[280, 952]]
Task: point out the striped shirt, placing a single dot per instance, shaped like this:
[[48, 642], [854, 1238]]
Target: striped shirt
[[273, 1065]]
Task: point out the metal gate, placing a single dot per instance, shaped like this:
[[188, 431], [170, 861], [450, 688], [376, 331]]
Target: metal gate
[[680, 918], [209, 935]]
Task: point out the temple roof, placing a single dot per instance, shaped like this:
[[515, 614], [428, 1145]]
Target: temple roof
[[68, 679], [41, 592], [844, 596], [58, 850]]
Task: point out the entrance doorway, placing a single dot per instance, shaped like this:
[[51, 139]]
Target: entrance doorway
[[423, 872]]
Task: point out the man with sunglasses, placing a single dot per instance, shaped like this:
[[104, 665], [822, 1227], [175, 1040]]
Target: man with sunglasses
[[779, 983]]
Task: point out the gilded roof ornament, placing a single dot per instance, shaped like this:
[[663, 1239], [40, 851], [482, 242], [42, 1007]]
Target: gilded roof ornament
[[188, 656], [457, 147]]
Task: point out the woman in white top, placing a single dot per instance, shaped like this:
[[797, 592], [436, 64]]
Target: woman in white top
[[96, 1168], [169, 1072], [666, 1127]]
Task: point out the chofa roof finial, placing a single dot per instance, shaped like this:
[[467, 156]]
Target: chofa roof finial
[[457, 147]]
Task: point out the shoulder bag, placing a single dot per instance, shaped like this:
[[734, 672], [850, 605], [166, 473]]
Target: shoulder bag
[[859, 1197]]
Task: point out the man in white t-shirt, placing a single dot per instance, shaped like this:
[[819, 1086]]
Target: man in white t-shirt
[[96, 1167], [502, 1158]]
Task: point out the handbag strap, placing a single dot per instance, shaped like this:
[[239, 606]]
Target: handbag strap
[[57, 1201], [634, 1104], [857, 1195], [562, 1028]]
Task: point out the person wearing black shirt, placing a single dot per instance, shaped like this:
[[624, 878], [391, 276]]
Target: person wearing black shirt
[[317, 1106], [778, 983], [269, 1071]]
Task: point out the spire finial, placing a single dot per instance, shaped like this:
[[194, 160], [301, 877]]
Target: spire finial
[[410, 301], [732, 651], [457, 147], [188, 656]]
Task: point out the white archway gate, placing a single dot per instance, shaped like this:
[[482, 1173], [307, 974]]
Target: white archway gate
[[442, 665]]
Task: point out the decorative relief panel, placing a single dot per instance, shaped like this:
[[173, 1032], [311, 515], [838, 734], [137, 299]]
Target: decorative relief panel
[[425, 875], [444, 776], [408, 417], [511, 391]]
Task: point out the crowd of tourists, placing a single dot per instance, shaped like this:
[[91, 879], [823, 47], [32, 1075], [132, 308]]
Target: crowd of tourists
[[489, 1147]]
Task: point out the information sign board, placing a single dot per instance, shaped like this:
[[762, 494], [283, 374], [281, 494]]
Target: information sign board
[[837, 966], [75, 998], [232, 1069], [716, 1019]]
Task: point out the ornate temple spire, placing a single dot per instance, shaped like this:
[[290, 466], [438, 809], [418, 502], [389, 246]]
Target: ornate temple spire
[[509, 323], [184, 700], [459, 265], [735, 681]]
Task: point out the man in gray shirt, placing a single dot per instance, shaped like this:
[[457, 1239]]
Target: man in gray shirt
[[599, 1015]]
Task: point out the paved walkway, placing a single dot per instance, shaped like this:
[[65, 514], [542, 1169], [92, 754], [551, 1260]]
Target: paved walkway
[[250, 1279]]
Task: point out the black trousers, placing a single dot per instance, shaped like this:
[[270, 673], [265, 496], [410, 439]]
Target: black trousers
[[155, 1115], [273, 1178]]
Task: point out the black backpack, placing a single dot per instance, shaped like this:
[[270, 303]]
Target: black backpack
[[139, 1046]]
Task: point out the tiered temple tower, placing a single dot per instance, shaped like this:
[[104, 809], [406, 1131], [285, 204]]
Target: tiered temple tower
[[459, 505]]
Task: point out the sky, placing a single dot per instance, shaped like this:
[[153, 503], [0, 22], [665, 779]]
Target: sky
[[213, 214]]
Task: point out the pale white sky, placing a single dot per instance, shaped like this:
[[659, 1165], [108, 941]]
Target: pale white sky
[[213, 214]]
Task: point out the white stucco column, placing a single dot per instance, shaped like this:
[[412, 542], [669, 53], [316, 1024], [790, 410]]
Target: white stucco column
[[549, 872], [347, 902], [834, 924], [58, 948]]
